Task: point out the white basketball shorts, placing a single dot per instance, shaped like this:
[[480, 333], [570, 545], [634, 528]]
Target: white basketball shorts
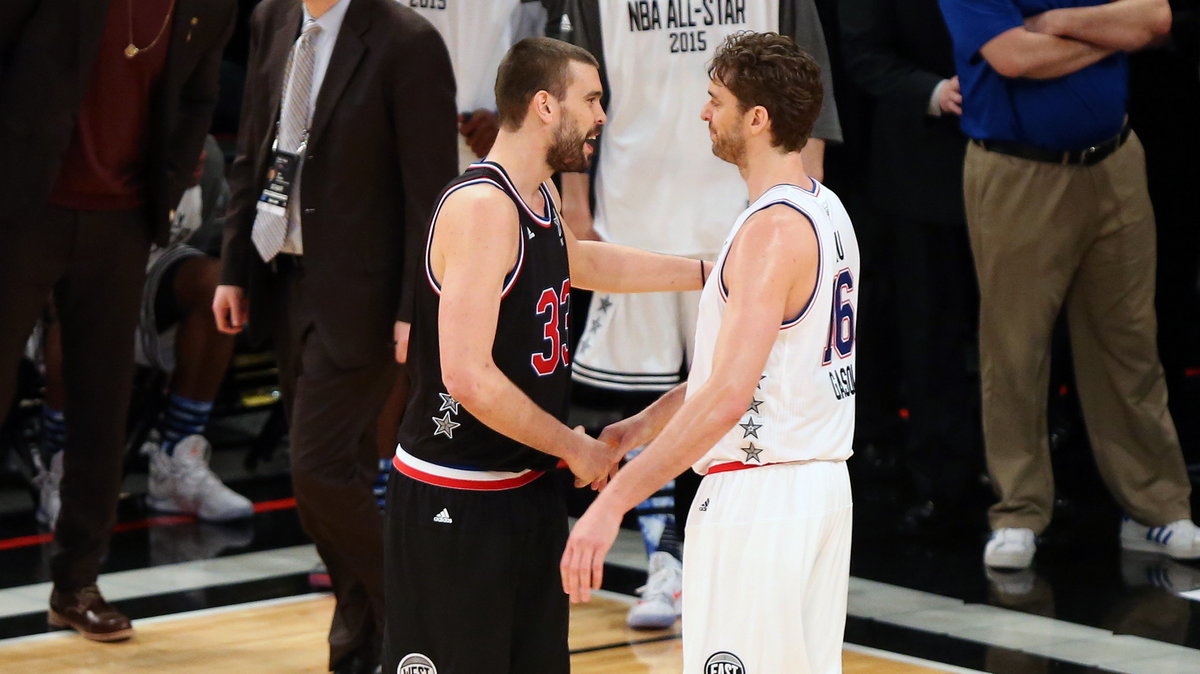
[[766, 568]]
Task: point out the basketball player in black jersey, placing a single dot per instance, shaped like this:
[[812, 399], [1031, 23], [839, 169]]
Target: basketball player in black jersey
[[474, 531]]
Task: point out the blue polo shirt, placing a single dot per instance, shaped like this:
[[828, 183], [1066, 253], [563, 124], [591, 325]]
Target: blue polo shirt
[[1063, 114]]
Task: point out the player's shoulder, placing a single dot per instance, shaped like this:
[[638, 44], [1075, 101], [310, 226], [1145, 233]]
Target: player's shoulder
[[783, 229], [481, 200]]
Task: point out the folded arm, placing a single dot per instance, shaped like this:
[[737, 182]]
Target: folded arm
[[1121, 25], [1019, 52]]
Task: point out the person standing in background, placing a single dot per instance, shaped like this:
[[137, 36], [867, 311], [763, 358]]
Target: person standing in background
[[105, 105], [347, 136]]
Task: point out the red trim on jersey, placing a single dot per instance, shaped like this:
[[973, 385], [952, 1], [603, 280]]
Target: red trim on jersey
[[470, 485]]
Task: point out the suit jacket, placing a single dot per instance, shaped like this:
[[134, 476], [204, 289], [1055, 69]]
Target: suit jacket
[[897, 51], [47, 48], [383, 144]]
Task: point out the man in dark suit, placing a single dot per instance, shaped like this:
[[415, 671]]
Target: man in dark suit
[[103, 111], [900, 54], [359, 94]]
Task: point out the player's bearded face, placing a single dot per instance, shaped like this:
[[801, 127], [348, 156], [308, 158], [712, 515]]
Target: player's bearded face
[[729, 143], [572, 148]]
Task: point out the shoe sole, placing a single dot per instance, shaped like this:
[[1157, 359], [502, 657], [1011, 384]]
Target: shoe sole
[[1140, 545], [163, 507], [58, 621], [1009, 562]]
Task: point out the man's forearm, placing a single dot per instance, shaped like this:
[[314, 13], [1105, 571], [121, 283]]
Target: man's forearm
[[1125, 25], [503, 407], [1019, 52], [608, 267]]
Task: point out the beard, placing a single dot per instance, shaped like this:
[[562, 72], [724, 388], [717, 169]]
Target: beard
[[566, 153], [730, 148]]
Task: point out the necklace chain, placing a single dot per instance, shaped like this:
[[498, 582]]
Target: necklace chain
[[132, 50]]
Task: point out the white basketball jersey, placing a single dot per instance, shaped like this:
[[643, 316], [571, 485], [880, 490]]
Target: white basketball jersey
[[803, 407], [478, 34], [658, 185]]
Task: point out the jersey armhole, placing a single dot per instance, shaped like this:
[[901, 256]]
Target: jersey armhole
[[812, 296], [512, 274]]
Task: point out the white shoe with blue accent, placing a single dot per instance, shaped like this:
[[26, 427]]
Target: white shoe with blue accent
[[1178, 540]]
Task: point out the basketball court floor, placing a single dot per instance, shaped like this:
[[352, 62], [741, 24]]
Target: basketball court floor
[[236, 598]]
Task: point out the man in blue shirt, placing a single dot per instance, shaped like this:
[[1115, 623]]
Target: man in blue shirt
[[1058, 213]]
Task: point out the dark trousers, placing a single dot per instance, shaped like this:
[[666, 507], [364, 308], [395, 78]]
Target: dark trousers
[[94, 263], [331, 414], [477, 591], [937, 311]]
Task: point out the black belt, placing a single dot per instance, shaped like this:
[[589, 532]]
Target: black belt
[[1088, 156]]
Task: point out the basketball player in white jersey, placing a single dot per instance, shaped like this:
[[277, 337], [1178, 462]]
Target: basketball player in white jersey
[[634, 348], [767, 413], [477, 34]]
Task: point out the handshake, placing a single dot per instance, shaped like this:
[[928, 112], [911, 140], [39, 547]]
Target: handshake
[[594, 461]]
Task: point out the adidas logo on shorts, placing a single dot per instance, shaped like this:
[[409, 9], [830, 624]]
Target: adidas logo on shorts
[[443, 517], [703, 506]]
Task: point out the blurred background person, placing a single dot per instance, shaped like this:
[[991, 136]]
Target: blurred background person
[[100, 140], [901, 55]]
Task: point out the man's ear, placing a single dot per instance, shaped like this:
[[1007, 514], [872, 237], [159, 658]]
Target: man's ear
[[759, 119], [544, 106]]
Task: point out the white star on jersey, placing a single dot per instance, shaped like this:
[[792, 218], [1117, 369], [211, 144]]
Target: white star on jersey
[[445, 426], [448, 403]]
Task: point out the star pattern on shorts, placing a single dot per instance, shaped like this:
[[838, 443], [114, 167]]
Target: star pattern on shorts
[[596, 324], [752, 452], [750, 429], [760, 378], [445, 426], [605, 304], [448, 403], [584, 344], [754, 405]]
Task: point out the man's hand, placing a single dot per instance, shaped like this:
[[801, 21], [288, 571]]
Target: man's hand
[[480, 130], [400, 334], [582, 564], [592, 461], [950, 97], [231, 309], [627, 434]]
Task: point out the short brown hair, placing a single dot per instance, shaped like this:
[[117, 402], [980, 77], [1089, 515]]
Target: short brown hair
[[768, 69], [532, 65]]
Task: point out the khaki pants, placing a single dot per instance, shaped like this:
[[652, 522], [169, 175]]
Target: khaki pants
[[1043, 235]]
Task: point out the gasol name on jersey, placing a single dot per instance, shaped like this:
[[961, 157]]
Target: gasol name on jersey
[[672, 15]]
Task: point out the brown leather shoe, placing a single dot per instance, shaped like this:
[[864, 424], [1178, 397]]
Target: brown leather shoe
[[86, 612]]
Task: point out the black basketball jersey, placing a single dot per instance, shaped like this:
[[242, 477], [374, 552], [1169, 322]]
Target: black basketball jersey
[[530, 347]]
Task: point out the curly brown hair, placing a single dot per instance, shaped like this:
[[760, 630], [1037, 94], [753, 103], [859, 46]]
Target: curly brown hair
[[768, 69]]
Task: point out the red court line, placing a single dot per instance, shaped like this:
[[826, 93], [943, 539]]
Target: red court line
[[157, 521]]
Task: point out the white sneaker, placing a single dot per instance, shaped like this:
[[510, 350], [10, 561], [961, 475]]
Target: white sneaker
[[1178, 540], [1010, 549], [183, 483], [659, 605], [48, 479]]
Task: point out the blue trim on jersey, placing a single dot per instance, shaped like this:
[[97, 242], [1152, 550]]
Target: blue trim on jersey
[[820, 257]]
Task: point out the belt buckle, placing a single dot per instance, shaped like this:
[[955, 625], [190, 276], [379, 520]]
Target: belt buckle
[[1086, 157]]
